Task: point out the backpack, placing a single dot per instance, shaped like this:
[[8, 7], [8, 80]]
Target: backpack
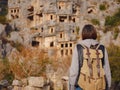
[[91, 75]]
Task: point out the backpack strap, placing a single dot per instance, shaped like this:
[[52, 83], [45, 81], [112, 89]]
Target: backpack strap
[[82, 45], [97, 46], [101, 47], [98, 60], [89, 62], [79, 46]]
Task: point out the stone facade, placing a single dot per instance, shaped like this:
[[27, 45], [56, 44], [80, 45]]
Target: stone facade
[[56, 21], [53, 22]]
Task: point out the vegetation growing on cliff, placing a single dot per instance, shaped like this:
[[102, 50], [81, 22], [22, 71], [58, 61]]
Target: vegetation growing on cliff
[[3, 19], [111, 22], [28, 62], [102, 7], [116, 33], [114, 58], [114, 20], [95, 21], [3, 13]]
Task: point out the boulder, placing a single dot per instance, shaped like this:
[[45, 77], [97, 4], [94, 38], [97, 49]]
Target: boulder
[[18, 88], [24, 82], [16, 37], [36, 81], [1, 28], [58, 85], [17, 83], [31, 88], [4, 83]]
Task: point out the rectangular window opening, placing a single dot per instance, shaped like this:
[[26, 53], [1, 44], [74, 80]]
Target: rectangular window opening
[[62, 45]]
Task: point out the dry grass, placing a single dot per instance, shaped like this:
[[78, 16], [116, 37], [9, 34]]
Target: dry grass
[[28, 62], [2, 68]]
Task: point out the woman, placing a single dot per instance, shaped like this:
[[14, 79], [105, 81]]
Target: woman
[[89, 37]]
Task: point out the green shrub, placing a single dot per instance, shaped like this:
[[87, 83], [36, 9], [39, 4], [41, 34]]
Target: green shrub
[[98, 36], [95, 21], [28, 62], [114, 57], [4, 10], [3, 19], [17, 45], [102, 7], [113, 20], [77, 30], [3, 13], [5, 72], [116, 32], [106, 29], [33, 28]]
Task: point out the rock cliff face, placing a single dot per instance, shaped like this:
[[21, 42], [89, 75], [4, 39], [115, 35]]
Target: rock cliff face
[[55, 26], [50, 17]]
